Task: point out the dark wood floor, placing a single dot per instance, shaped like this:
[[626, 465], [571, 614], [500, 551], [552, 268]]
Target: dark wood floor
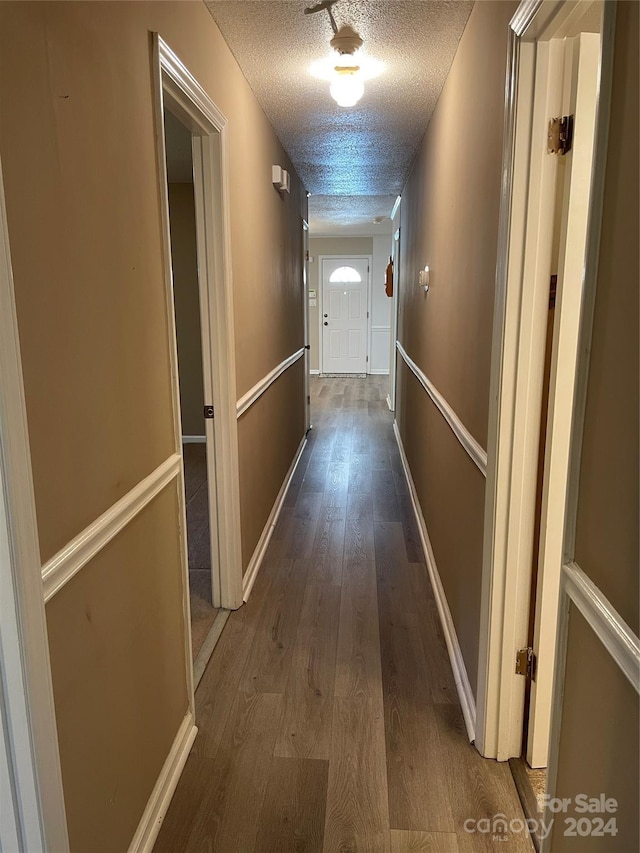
[[203, 613], [328, 717]]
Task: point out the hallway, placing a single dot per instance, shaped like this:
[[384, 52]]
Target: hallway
[[328, 717]]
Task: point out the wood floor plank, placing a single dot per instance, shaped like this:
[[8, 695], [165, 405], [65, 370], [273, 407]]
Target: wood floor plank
[[406, 841], [336, 484], [323, 568], [306, 725], [477, 788], [359, 539], [413, 542], [267, 667], [228, 814], [293, 813], [219, 684], [357, 817], [385, 500], [417, 798], [330, 532], [360, 479], [358, 671], [185, 804], [442, 686]]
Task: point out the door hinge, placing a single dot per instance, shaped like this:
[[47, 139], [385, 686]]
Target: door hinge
[[308, 400], [560, 135], [208, 412], [367, 315], [367, 358], [526, 663]]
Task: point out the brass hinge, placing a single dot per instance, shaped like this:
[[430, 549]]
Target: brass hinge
[[560, 135], [208, 412], [526, 663]]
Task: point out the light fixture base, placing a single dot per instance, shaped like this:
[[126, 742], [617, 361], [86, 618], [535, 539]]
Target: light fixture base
[[346, 40]]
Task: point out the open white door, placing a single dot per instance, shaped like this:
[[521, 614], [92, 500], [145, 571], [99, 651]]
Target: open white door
[[580, 86], [344, 315]]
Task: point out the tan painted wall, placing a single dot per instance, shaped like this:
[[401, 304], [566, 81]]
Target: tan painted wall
[[599, 745], [607, 530], [78, 154], [328, 246], [119, 682], [266, 433], [187, 307], [450, 208]]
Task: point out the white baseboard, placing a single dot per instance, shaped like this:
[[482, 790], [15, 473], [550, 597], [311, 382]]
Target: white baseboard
[[314, 372], [163, 791], [194, 439], [465, 693], [379, 371], [389, 403], [258, 555]]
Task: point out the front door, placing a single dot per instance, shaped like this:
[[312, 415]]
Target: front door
[[344, 315]]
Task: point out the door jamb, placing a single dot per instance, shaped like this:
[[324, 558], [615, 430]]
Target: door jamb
[[305, 303], [176, 85], [321, 259], [27, 712], [505, 585], [393, 354]]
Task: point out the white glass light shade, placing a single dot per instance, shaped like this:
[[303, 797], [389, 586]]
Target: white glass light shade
[[347, 88]]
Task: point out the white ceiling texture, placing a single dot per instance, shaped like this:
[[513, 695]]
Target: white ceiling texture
[[353, 160]]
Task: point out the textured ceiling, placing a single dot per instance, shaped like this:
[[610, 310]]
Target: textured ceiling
[[354, 160]]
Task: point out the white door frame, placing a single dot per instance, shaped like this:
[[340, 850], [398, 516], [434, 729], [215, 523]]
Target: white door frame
[[33, 810], [393, 353], [177, 88], [305, 303], [520, 315], [321, 259]]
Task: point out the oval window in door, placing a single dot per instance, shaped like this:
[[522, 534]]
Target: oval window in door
[[345, 275]]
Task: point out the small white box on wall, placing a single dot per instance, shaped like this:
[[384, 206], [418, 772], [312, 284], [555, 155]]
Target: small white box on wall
[[280, 179]]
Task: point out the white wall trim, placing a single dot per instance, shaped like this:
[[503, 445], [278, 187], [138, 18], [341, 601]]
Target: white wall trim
[[33, 809], [314, 373], [260, 387], [379, 371], [194, 439], [473, 448], [66, 563], [165, 786], [614, 633], [258, 555], [465, 693]]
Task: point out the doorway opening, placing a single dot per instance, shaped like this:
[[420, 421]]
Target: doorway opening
[[201, 538], [192, 162], [344, 315], [550, 224]]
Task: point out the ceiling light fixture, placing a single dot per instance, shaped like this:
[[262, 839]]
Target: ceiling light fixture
[[347, 67]]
